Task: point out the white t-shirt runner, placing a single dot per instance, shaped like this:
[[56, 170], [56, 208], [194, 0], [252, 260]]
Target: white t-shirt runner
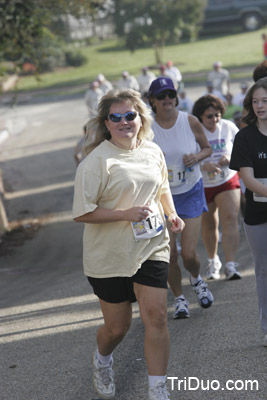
[[221, 142]]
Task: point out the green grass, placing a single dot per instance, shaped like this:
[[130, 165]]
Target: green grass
[[194, 59]]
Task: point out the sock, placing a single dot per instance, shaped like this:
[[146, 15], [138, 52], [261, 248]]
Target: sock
[[104, 360], [195, 280], [215, 258], [180, 297], [153, 379]]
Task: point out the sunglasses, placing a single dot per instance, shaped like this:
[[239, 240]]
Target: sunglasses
[[170, 93], [129, 116], [210, 116]]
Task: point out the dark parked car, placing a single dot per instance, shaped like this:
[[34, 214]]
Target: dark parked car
[[251, 14]]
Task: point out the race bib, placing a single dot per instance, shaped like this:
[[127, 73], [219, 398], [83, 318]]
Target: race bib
[[148, 228], [177, 177], [216, 178], [259, 197]]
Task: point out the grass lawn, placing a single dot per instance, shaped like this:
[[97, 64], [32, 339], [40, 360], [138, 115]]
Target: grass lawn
[[194, 60]]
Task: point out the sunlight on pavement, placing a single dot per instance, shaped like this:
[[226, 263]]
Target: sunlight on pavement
[[57, 316], [51, 317], [41, 189]]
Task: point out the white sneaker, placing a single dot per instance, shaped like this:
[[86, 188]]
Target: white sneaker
[[213, 268], [204, 295], [231, 272], [181, 308], [265, 340], [158, 392], [103, 377]]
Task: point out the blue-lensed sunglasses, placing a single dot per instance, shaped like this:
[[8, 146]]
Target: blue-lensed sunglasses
[[129, 116]]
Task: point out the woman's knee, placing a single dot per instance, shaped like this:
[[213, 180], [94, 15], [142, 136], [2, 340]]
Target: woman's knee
[[229, 219], [189, 256], [117, 332], [156, 315]]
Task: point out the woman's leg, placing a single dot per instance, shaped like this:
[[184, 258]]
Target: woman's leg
[[256, 236], [153, 309], [228, 203], [209, 229], [117, 320], [189, 241], [190, 237], [174, 275]]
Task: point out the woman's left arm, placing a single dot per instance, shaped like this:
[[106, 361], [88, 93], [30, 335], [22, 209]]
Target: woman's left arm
[[247, 175], [191, 159], [177, 224]]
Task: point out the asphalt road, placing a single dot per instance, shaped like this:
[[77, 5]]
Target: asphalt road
[[49, 315]]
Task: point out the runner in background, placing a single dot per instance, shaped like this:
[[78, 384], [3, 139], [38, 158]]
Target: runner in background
[[222, 188]]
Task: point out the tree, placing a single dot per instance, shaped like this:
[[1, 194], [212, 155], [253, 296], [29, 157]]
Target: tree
[[24, 24], [156, 21]]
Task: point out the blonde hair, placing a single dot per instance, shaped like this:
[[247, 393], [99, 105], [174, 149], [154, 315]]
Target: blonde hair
[[96, 126]]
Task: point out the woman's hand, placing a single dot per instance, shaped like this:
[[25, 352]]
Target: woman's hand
[[136, 214], [177, 224], [211, 167], [224, 161], [190, 159]]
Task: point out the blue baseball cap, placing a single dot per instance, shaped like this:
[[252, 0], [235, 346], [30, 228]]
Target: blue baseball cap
[[160, 84]]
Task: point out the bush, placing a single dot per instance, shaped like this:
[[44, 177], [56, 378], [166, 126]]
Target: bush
[[75, 58], [52, 58]]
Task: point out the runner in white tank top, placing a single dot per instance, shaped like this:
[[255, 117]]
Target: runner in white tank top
[[184, 145]]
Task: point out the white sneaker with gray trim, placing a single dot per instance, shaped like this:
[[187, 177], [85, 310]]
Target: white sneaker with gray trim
[[204, 295], [231, 272], [159, 391], [181, 308], [103, 377], [213, 268]]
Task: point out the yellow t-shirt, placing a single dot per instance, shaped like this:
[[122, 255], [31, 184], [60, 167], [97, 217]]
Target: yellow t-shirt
[[114, 178]]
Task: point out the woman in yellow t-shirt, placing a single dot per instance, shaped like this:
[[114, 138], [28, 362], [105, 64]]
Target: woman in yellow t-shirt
[[121, 194]]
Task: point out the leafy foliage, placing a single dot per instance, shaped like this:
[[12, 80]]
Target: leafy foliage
[[74, 58], [155, 22], [25, 26]]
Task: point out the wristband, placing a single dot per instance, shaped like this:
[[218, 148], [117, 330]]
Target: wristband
[[171, 213]]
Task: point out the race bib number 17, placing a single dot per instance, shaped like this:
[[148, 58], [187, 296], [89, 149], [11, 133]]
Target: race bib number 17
[[148, 228]]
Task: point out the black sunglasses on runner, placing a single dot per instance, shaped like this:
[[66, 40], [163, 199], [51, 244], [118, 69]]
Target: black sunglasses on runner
[[170, 93], [129, 116]]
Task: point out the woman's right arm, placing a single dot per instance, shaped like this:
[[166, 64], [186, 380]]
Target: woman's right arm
[[247, 175], [104, 215]]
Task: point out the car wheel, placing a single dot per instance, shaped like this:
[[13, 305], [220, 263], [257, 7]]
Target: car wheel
[[252, 21]]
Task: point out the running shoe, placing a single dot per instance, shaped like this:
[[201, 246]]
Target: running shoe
[[204, 295], [213, 268], [181, 308], [265, 340], [103, 377], [158, 392], [231, 272]]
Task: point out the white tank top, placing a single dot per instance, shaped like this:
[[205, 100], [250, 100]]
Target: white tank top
[[175, 143]]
